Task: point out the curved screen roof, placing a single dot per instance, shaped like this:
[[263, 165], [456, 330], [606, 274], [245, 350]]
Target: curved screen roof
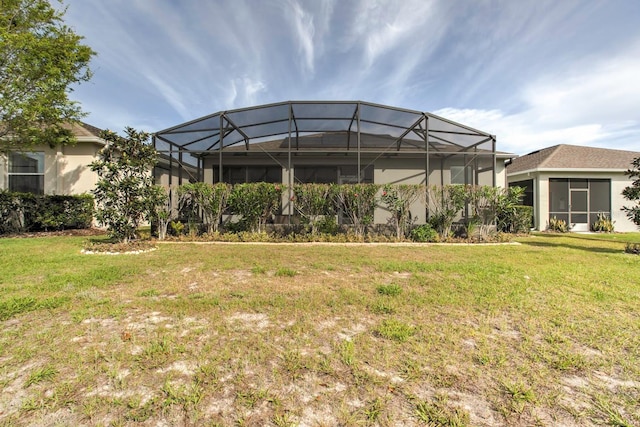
[[349, 125]]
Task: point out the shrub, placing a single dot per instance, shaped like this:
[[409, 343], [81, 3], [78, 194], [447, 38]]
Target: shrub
[[632, 248], [64, 212], [313, 204], [11, 213], [256, 203], [206, 200], [398, 199], [483, 201], [327, 225], [632, 192], [176, 227], [424, 233], [29, 212], [512, 217], [444, 203], [357, 202], [603, 224], [559, 225]]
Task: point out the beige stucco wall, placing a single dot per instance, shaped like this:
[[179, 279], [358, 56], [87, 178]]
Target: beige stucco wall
[[66, 169], [619, 180], [3, 172]]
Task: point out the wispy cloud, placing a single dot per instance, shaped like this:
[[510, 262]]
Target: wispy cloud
[[243, 92], [534, 73], [302, 23], [595, 105]]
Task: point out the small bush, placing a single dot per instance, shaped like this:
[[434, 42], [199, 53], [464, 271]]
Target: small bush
[[328, 225], [424, 233], [603, 224], [632, 248], [515, 219], [559, 225], [176, 227]]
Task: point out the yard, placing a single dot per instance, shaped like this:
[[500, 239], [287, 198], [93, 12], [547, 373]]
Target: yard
[[542, 332]]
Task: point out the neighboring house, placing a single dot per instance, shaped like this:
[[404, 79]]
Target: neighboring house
[[61, 170], [330, 142], [575, 184]]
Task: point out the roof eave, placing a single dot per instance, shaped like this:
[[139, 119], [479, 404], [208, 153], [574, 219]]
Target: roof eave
[[577, 170]]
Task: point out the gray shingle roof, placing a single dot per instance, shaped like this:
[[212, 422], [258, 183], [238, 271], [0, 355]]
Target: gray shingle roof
[[565, 156], [82, 129]]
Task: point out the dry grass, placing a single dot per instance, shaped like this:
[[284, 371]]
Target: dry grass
[[542, 333]]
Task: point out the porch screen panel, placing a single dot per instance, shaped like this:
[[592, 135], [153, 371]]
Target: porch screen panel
[[316, 175], [559, 199], [599, 198]]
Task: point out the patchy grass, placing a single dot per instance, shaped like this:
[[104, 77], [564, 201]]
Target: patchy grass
[[541, 333]]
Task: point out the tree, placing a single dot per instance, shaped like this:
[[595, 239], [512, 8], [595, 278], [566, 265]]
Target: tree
[[357, 202], [632, 192], [398, 200], [125, 193], [255, 202], [313, 203], [40, 60], [208, 201]]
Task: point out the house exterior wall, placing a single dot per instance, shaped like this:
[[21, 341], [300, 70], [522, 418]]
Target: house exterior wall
[[66, 168], [619, 180], [4, 168]]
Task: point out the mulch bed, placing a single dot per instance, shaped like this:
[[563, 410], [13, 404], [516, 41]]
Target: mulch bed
[[78, 232]]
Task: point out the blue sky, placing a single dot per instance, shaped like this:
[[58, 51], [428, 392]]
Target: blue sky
[[535, 73]]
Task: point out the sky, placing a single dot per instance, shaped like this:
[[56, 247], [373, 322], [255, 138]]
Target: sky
[[535, 73]]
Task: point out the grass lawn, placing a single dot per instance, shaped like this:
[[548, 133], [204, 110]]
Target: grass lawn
[[545, 332]]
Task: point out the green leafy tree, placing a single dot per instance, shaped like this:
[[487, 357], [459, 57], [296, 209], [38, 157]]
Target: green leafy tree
[[40, 61], [444, 204], [632, 192], [357, 202], [313, 203], [483, 201], [206, 200], [125, 193], [161, 212], [398, 199], [256, 203]]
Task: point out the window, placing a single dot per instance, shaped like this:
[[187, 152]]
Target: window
[[458, 175], [242, 174], [332, 174], [316, 175], [26, 172]]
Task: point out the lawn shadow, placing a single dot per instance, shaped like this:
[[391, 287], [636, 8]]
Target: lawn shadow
[[559, 241]]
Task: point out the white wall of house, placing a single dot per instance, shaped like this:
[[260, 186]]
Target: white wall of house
[[619, 180]]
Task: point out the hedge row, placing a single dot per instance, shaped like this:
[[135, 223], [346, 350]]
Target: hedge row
[[488, 208], [20, 212]]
